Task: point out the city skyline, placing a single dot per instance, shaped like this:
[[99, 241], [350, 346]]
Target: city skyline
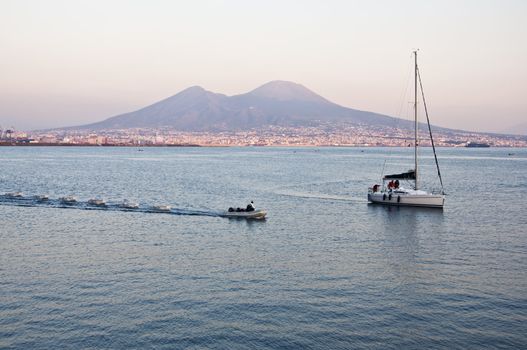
[[70, 63]]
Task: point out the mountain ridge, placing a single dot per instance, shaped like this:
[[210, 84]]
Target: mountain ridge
[[278, 102]]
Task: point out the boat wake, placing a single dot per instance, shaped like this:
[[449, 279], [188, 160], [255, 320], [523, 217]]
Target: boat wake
[[321, 196], [38, 201]]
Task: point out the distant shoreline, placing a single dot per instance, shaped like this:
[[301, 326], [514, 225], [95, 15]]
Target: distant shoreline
[[25, 144], [14, 144]]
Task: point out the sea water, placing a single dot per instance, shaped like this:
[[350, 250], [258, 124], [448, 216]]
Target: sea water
[[324, 270]]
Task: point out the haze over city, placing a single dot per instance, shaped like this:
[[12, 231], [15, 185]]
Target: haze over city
[[67, 63]]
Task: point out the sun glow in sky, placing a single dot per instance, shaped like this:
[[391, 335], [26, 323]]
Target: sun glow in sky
[[72, 62]]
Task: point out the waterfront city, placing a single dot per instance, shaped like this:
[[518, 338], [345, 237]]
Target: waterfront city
[[329, 134]]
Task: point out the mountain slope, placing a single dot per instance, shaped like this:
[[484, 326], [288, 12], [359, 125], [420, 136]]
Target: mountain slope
[[182, 111], [275, 103], [518, 129]]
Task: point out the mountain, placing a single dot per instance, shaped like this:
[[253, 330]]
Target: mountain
[[518, 129], [275, 103]]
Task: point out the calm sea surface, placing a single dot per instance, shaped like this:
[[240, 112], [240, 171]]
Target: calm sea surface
[[324, 271]]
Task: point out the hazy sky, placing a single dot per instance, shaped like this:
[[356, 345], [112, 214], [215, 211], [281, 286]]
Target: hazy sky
[[71, 62]]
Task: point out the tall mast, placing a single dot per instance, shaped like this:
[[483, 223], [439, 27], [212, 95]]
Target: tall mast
[[416, 141]]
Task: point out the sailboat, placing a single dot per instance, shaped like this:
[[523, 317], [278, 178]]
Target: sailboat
[[391, 192]]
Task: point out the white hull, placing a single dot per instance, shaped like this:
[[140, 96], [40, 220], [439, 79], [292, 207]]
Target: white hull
[[68, 200], [407, 199], [97, 202], [257, 214], [14, 194], [162, 207], [129, 205]]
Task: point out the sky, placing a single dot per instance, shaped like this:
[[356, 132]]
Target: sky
[[71, 62]]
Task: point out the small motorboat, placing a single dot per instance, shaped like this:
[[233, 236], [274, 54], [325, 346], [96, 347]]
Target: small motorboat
[[254, 214], [14, 194], [41, 197], [162, 207], [68, 199], [97, 202], [129, 205]]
